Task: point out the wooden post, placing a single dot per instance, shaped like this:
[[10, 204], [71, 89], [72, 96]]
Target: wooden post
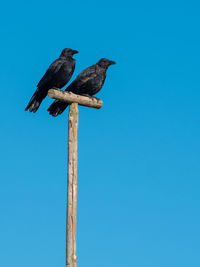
[[73, 100], [71, 258]]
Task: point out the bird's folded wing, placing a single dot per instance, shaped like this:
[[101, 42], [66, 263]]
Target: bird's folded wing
[[86, 75], [51, 72]]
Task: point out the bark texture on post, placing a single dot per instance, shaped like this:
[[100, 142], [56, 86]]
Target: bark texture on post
[[71, 258], [69, 97]]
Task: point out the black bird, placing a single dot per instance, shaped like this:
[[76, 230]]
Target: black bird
[[58, 75], [88, 83]]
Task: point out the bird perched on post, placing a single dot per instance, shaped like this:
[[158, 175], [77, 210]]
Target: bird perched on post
[[88, 83], [58, 75]]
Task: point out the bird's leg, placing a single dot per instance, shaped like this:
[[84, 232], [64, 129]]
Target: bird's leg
[[87, 95]]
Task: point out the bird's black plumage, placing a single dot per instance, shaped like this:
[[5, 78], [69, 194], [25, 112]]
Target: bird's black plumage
[[58, 75], [88, 82]]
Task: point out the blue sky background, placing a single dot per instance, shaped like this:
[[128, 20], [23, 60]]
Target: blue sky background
[[139, 171]]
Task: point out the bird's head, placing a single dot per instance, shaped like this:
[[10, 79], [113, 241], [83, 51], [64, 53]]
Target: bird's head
[[68, 52], [105, 63]]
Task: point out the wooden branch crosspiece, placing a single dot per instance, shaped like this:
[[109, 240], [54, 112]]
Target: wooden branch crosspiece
[[69, 97], [74, 101]]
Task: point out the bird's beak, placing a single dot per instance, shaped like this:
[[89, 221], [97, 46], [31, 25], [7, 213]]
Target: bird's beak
[[75, 52], [112, 62]]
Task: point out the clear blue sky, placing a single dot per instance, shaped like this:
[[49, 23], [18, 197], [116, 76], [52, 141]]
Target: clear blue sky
[[139, 170]]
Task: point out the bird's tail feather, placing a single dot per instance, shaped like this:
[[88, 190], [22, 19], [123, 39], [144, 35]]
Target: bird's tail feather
[[33, 104], [57, 108]]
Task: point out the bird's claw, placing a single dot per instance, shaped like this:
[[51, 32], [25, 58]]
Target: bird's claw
[[56, 88], [91, 97], [97, 99]]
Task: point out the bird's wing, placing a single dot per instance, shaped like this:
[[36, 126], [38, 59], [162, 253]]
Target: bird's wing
[[51, 72], [85, 76]]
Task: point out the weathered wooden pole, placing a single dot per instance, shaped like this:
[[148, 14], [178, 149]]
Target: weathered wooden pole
[[71, 257], [74, 100]]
